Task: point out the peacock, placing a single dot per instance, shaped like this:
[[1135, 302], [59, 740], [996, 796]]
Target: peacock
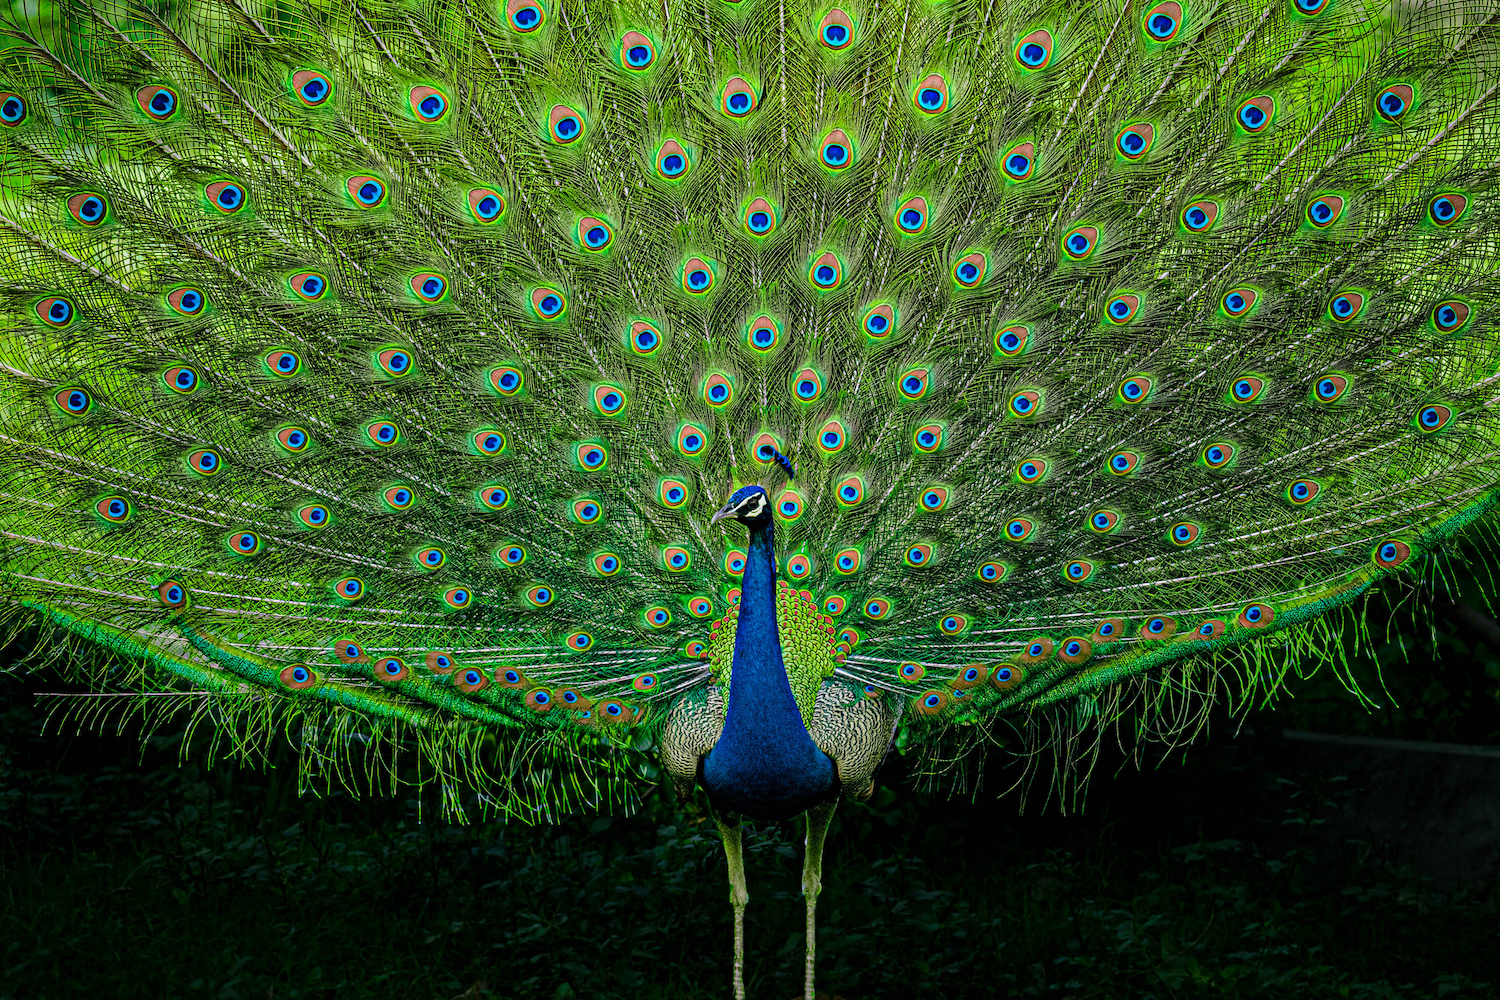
[[751, 387]]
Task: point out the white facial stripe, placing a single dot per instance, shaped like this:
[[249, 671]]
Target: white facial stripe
[[758, 499]]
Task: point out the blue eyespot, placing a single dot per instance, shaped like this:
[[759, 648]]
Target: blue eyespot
[[1324, 211], [12, 110], [310, 286], [1032, 54], [55, 311], [431, 105], [1394, 101], [527, 17], [158, 102], [646, 340], [87, 209], [1164, 21], [226, 196]]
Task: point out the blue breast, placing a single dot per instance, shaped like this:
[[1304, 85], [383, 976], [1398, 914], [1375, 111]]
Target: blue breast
[[765, 765]]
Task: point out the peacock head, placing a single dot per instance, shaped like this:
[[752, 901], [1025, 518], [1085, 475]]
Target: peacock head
[[750, 505]]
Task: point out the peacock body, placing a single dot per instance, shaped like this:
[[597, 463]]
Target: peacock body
[[385, 368]]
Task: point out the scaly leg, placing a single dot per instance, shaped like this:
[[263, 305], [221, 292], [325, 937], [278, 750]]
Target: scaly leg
[[818, 818], [731, 831]]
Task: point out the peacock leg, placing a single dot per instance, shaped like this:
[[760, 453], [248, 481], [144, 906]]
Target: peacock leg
[[731, 831], [818, 818]]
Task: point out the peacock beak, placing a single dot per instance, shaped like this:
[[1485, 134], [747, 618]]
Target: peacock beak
[[723, 512]]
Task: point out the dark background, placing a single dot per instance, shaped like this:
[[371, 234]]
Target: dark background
[[1255, 862]]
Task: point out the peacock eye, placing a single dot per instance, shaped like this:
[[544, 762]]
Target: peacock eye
[[838, 151], [911, 218], [428, 104], [760, 216], [548, 303], [970, 270], [1034, 51], [311, 87], [836, 31], [158, 102], [827, 272], [486, 205], [525, 16], [227, 197], [672, 161]]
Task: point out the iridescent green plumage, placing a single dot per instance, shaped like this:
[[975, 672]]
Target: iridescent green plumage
[[379, 367]]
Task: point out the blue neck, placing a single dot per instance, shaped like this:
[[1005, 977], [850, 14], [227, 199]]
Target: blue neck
[[765, 764]]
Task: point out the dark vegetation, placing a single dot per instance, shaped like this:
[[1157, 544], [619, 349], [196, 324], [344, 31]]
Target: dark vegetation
[[1218, 871]]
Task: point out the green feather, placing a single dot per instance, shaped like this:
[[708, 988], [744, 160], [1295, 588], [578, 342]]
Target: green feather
[[440, 176]]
